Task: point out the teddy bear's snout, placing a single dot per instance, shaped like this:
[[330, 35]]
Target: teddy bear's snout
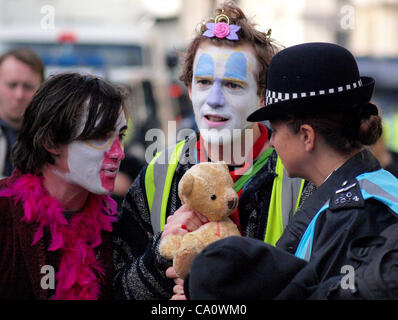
[[232, 204]]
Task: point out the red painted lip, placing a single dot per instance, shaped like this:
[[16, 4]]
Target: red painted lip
[[110, 171], [110, 168], [110, 174], [108, 178], [110, 165]]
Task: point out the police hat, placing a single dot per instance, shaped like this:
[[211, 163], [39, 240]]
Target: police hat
[[314, 78]]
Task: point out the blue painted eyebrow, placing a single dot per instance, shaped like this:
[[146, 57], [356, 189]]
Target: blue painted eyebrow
[[236, 66], [205, 66]]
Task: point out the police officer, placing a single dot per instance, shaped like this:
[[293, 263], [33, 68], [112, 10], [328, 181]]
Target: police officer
[[320, 112]]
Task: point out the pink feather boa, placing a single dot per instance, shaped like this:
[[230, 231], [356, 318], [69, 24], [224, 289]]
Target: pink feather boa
[[79, 271]]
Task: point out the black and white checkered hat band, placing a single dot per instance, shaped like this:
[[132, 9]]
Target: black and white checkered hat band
[[274, 97]]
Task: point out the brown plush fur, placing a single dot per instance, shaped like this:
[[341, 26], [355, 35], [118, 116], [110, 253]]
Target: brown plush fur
[[207, 188]]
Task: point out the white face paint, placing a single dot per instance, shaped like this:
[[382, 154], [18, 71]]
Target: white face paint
[[94, 164], [224, 91]]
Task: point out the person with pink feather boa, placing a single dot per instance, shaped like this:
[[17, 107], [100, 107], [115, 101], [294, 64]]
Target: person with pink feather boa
[[56, 212]]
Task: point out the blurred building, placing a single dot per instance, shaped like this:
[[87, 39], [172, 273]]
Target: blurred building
[[115, 39], [368, 28], [138, 42]]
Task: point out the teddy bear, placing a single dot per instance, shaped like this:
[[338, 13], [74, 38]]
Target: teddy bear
[[206, 187]]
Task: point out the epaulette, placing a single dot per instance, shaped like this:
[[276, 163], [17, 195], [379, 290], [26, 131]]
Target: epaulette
[[347, 196]]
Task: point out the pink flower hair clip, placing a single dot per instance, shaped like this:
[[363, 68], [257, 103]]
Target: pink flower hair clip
[[221, 28]]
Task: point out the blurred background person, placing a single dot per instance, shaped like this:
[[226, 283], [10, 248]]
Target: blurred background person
[[388, 158], [21, 73], [383, 151]]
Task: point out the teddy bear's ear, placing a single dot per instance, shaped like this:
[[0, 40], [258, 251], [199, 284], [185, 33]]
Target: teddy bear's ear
[[185, 186], [224, 164]]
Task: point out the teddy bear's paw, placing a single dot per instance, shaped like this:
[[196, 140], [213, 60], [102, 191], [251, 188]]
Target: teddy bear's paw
[[169, 246], [183, 260]]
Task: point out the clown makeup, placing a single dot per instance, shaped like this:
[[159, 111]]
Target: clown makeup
[[224, 91], [93, 164]]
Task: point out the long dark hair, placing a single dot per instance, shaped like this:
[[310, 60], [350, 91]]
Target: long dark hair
[[55, 112]]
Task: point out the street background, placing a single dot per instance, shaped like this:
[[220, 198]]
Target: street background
[[138, 43]]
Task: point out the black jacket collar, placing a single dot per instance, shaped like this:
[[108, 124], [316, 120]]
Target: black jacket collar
[[362, 162]]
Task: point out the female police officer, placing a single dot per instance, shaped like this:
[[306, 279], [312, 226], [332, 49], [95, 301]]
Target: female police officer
[[319, 109]]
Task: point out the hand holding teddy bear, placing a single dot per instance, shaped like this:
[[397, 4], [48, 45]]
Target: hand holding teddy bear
[[207, 192]]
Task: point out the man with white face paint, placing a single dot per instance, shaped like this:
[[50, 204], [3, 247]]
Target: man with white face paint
[[224, 70], [224, 92], [56, 209]]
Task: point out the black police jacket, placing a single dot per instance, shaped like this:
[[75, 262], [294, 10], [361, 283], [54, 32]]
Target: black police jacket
[[344, 221], [275, 272]]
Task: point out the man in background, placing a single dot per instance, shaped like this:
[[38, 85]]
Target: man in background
[[21, 73]]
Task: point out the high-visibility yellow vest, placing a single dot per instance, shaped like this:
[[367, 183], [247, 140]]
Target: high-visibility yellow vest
[[285, 195], [390, 131]]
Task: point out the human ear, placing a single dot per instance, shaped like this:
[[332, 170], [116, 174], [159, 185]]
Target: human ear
[[190, 91], [53, 151], [262, 98], [307, 136]]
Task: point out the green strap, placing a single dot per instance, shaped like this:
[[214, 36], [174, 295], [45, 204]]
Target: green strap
[[260, 162], [150, 187], [161, 188], [169, 179], [390, 131], [274, 222], [275, 213], [395, 132], [299, 196]]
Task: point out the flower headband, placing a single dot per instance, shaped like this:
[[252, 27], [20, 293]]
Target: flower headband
[[221, 28]]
